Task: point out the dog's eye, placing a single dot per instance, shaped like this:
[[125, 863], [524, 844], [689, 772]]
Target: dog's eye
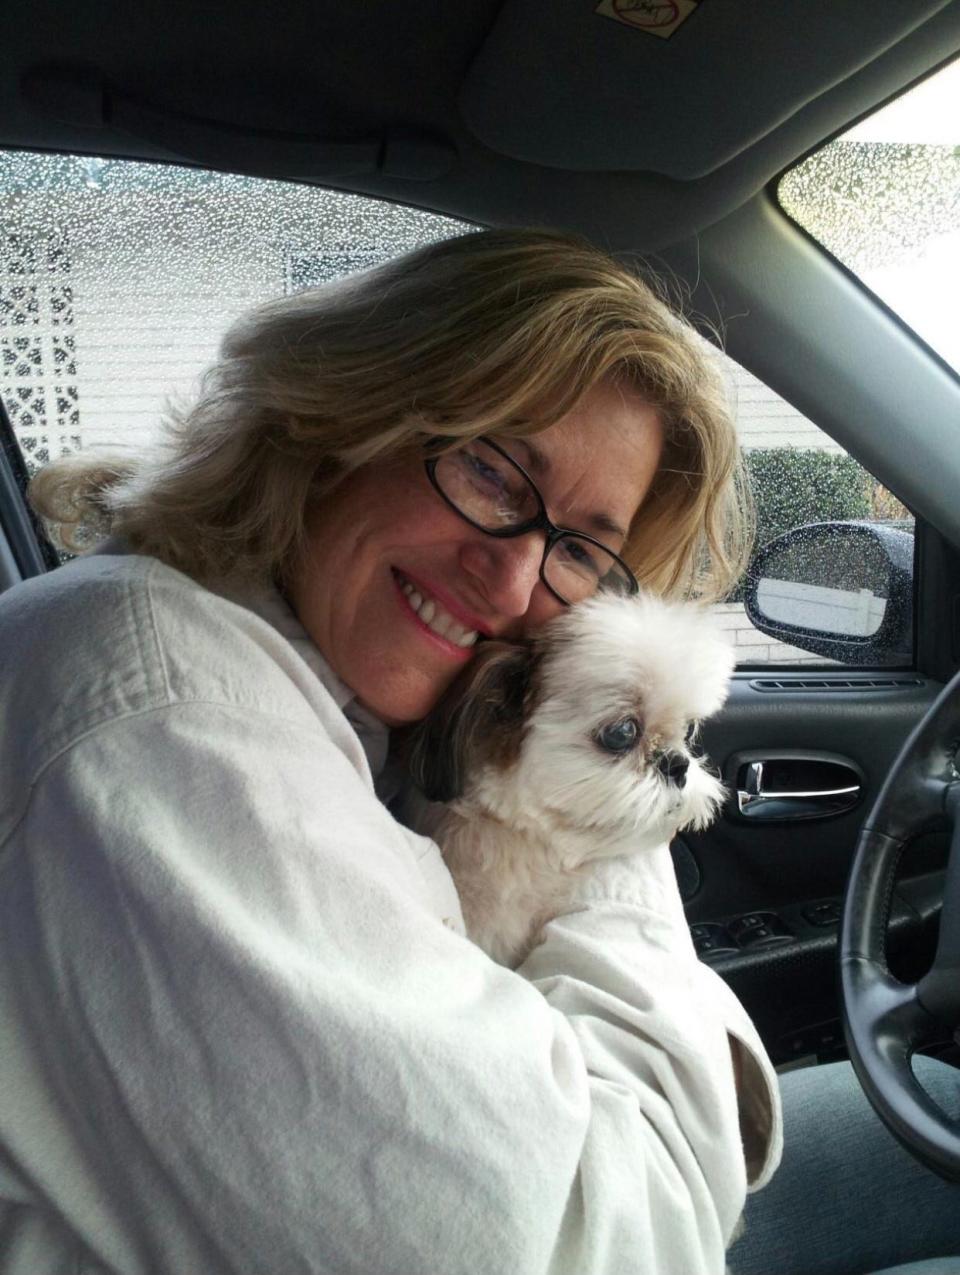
[[621, 736]]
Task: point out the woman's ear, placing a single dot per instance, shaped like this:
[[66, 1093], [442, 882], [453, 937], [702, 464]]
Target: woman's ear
[[478, 719]]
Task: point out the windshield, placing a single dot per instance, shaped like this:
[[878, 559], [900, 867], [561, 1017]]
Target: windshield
[[884, 199]]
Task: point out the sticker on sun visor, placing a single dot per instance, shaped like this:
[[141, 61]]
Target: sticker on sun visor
[[658, 17]]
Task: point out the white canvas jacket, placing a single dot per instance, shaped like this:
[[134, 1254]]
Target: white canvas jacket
[[240, 1027]]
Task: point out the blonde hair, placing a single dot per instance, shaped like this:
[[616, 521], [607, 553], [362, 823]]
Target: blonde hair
[[500, 331]]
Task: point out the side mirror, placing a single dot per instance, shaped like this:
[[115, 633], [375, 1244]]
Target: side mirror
[[843, 590]]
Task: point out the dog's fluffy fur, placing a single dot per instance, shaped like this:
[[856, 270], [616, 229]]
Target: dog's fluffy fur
[[529, 753]]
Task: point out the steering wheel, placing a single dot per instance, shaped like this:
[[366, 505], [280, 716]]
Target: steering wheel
[[885, 1021]]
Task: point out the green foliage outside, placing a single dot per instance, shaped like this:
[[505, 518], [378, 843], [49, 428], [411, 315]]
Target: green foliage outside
[[793, 487]]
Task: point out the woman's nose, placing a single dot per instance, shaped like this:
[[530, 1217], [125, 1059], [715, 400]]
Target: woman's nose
[[506, 571]]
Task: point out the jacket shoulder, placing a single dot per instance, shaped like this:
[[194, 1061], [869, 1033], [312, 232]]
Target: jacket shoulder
[[108, 636]]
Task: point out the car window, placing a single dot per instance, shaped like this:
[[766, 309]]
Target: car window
[[117, 280], [801, 476], [884, 199]]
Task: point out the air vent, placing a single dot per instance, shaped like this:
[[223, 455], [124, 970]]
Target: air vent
[[835, 684]]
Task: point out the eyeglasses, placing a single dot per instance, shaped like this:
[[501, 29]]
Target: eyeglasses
[[489, 490]]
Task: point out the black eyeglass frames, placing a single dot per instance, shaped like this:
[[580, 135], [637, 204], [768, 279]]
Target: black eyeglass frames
[[495, 494]]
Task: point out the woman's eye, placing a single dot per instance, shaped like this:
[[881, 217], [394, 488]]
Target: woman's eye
[[483, 473], [493, 479], [579, 553], [620, 736]]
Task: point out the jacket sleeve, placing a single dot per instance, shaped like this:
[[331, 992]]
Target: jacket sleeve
[[242, 1043]]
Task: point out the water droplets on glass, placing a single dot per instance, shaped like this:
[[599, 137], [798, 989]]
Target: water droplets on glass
[[884, 199], [117, 280]]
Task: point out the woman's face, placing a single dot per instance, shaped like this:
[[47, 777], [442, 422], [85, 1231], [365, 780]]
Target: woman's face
[[385, 529]]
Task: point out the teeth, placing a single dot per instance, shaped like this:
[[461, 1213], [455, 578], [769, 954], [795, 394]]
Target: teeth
[[440, 621]]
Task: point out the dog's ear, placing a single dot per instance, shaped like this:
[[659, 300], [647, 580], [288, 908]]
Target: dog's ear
[[478, 719]]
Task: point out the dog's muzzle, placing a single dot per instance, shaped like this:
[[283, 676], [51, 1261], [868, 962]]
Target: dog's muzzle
[[674, 767]]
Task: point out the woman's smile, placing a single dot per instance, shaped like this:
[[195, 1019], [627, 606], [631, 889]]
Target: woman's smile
[[437, 624]]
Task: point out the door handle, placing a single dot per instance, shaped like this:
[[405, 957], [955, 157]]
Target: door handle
[[783, 788]]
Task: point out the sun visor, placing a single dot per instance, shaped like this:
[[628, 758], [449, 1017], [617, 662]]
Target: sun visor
[[663, 85]]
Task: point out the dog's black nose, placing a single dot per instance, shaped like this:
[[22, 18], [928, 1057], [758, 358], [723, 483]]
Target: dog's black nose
[[674, 766]]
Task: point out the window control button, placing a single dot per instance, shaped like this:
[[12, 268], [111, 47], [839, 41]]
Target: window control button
[[744, 924], [709, 937], [749, 921], [759, 929], [707, 948], [822, 913], [756, 933], [763, 936], [754, 930]]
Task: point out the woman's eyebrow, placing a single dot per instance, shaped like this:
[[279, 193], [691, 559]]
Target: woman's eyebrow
[[539, 464], [535, 459], [602, 522]]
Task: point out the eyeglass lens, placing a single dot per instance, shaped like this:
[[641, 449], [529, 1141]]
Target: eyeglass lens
[[489, 490]]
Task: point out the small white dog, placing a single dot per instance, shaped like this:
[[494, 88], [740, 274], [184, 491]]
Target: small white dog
[[574, 747]]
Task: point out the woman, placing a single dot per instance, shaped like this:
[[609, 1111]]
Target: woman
[[242, 1028]]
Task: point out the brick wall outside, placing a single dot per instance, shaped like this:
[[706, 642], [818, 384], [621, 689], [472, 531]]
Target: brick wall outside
[[754, 647]]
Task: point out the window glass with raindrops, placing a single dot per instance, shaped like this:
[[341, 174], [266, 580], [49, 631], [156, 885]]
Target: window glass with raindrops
[[118, 279]]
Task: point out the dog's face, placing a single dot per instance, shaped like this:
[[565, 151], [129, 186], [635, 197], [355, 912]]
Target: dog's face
[[592, 726]]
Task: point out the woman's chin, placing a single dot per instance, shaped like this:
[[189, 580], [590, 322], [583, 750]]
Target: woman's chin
[[403, 705]]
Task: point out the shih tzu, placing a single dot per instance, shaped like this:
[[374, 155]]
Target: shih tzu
[[574, 747]]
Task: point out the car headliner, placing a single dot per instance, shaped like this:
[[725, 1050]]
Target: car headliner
[[518, 112]]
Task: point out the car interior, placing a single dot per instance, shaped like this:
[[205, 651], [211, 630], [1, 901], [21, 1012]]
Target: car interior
[[660, 131]]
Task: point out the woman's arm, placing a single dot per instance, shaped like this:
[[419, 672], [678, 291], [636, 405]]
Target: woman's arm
[[243, 1042]]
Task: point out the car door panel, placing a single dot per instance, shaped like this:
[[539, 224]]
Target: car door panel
[[790, 874]]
